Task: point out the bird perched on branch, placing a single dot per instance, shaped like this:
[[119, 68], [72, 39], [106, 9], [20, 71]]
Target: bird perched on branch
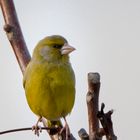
[[49, 80]]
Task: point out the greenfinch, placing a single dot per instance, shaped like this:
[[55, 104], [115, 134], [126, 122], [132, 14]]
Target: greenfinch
[[49, 79]]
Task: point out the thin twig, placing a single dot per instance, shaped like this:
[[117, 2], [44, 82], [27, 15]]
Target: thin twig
[[24, 129], [92, 104]]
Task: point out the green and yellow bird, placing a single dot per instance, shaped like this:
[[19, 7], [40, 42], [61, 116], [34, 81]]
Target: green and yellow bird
[[49, 79]]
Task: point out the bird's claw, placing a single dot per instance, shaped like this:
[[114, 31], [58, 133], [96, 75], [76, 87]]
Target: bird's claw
[[37, 129]]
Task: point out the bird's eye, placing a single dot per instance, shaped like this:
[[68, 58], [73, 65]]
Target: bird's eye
[[57, 46]]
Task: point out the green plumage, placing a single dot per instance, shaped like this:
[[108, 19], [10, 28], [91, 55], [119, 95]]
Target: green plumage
[[49, 80]]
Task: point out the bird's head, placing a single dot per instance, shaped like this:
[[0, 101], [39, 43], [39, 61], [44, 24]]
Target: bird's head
[[52, 48]]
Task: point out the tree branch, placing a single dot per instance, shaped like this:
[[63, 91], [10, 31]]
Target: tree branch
[[92, 104], [14, 33]]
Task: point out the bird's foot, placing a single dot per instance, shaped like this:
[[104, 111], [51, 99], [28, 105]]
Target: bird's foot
[[36, 128]]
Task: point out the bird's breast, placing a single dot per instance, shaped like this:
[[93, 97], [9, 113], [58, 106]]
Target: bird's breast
[[50, 90]]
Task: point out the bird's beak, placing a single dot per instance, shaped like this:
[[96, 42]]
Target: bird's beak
[[66, 49]]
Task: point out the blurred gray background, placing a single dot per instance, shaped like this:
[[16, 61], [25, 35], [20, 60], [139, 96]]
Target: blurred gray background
[[106, 36]]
